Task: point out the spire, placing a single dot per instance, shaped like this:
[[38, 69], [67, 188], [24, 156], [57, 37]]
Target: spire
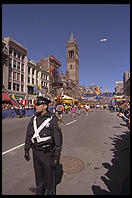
[[71, 39]]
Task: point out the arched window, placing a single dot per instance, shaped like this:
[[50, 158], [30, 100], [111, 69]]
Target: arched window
[[71, 54]]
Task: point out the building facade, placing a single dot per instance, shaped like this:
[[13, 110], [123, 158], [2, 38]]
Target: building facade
[[5, 59], [119, 88], [72, 60], [126, 83], [26, 77], [37, 79], [14, 74], [52, 65]]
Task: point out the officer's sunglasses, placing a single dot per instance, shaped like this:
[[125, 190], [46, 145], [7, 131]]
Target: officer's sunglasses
[[39, 103]]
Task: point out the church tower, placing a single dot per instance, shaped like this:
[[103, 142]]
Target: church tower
[[72, 62]]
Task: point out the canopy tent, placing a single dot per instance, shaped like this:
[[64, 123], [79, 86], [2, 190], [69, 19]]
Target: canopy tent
[[67, 101], [65, 97], [118, 97]]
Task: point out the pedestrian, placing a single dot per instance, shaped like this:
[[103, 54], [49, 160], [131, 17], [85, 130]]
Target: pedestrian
[[73, 111], [86, 109], [45, 138], [79, 109], [60, 109]]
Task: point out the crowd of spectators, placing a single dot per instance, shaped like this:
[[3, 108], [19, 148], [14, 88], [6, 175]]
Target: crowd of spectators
[[123, 109]]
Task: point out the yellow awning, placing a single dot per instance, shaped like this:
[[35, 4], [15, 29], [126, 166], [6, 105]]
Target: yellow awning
[[67, 97], [117, 97]]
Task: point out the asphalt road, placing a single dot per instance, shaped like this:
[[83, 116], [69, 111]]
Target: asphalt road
[[93, 160]]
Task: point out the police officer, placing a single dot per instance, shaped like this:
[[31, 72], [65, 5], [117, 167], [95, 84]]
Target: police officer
[[45, 138]]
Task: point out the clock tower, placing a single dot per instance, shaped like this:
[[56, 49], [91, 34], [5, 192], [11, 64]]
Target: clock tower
[[72, 62]]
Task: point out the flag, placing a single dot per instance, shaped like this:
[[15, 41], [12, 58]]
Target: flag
[[39, 86], [13, 99], [25, 101], [13, 96]]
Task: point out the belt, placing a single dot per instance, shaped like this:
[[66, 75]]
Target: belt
[[45, 148]]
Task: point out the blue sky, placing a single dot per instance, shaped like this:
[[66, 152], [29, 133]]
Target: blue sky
[[44, 29]]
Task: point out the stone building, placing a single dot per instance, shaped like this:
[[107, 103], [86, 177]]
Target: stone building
[[14, 78], [71, 78], [37, 78], [52, 65], [72, 60]]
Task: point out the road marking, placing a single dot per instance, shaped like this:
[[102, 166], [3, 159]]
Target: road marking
[[13, 148], [24, 143], [71, 122]]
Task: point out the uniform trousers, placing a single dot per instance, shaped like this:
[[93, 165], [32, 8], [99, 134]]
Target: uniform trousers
[[42, 162]]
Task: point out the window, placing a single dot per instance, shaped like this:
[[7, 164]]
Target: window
[[18, 76], [14, 64], [22, 78], [18, 86], [71, 54], [18, 65], [28, 70], [22, 67], [28, 79], [18, 55], [23, 57], [14, 75], [32, 80], [9, 85], [22, 88], [32, 71], [14, 86], [70, 66], [14, 53]]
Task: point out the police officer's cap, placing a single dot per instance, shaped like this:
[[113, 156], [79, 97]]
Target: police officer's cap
[[42, 100]]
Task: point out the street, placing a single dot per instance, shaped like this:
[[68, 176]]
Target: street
[[93, 159]]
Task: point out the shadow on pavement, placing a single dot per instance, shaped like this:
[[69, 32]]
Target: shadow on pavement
[[117, 178]]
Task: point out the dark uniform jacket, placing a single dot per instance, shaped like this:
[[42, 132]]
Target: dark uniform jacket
[[53, 130]]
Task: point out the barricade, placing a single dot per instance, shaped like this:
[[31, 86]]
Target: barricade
[[29, 112], [13, 113]]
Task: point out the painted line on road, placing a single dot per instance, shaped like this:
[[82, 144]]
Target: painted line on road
[[13, 148], [71, 122], [24, 143]]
